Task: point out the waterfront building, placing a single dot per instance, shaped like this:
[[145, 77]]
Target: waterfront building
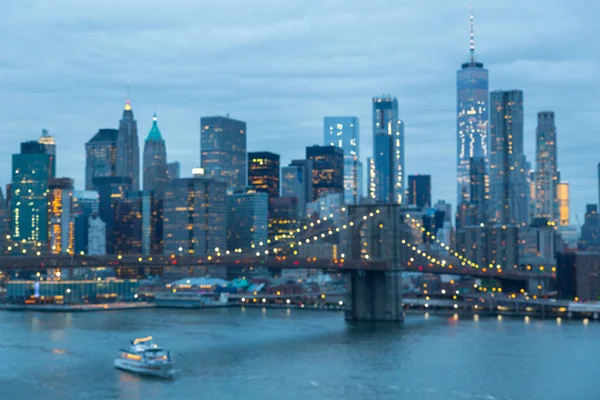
[[155, 161], [263, 172], [297, 182], [343, 132], [61, 225], [173, 170], [590, 231], [472, 93], [101, 156], [509, 190], [490, 245], [247, 219], [388, 151], [31, 171], [50, 148], [562, 195], [546, 167], [128, 148], [327, 170], [195, 216], [419, 190], [577, 275], [223, 150]]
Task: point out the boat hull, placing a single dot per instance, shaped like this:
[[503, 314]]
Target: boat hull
[[162, 370]]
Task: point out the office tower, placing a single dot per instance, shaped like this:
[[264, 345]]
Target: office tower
[[478, 192], [531, 185], [327, 170], [562, 195], [173, 170], [283, 218], [61, 227], [85, 203], [419, 190], [96, 243], [31, 171], [195, 216], [247, 219], [472, 119], [136, 230], [50, 147], [388, 151], [263, 172], [343, 132], [128, 148], [509, 191], [590, 230], [297, 182], [155, 161], [223, 149], [372, 186], [546, 169], [101, 156], [110, 189]]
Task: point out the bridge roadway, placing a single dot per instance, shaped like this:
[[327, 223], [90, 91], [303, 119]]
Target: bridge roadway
[[8, 263]]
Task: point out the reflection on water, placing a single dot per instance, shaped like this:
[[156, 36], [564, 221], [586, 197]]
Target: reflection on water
[[295, 354]]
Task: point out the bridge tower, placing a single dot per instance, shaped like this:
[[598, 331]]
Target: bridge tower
[[375, 295]]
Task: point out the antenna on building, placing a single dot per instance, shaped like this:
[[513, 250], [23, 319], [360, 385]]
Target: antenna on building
[[472, 36], [227, 115]]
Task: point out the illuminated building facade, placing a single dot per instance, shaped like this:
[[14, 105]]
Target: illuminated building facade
[[546, 167], [61, 224], [509, 190], [155, 161], [343, 132], [327, 170], [472, 93], [283, 218], [562, 194], [419, 190], [128, 148], [223, 150], [479, 192], [4, 223], [195, 211], [247, 219], [372, 189], [297, 182], [28, 199], [263, 172], [101, 156], [388, 151], [50, 147]]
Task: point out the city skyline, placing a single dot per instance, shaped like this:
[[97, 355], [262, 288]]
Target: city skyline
[[429, 117]]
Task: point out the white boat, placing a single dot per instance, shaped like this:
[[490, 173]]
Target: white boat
[[146, 358]]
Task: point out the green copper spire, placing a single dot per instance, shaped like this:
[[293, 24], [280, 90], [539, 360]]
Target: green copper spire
[[154, 135]]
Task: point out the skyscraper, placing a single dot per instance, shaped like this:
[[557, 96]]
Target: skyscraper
[[31, 171], [50, 147], [247, 219], [263, 172], [101, 156], [85, 204], [110, 189], [128, 148], [343, 132], [509, 190], [155, 161], [297, 182], [546, 173], [388, 151], [562, 194], [223, 149], [372, 186], [61, 226], [472, 120], [419, 191], [173, 170], [195, 216], [327, 170], [479, 192]]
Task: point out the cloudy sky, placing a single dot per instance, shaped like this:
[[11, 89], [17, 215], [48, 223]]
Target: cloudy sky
[[281, 65]]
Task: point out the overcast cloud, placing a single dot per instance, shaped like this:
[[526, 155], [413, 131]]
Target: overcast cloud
[[281, 65]]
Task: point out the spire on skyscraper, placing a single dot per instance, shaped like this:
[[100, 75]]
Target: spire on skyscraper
[[472, 37], [154, 133], [127, 102]]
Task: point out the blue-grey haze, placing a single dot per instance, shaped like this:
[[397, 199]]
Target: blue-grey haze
[[282, 66]]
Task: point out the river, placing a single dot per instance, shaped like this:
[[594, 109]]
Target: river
[[296, 354]]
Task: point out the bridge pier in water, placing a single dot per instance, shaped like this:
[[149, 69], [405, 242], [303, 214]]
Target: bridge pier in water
[[375, 295]]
